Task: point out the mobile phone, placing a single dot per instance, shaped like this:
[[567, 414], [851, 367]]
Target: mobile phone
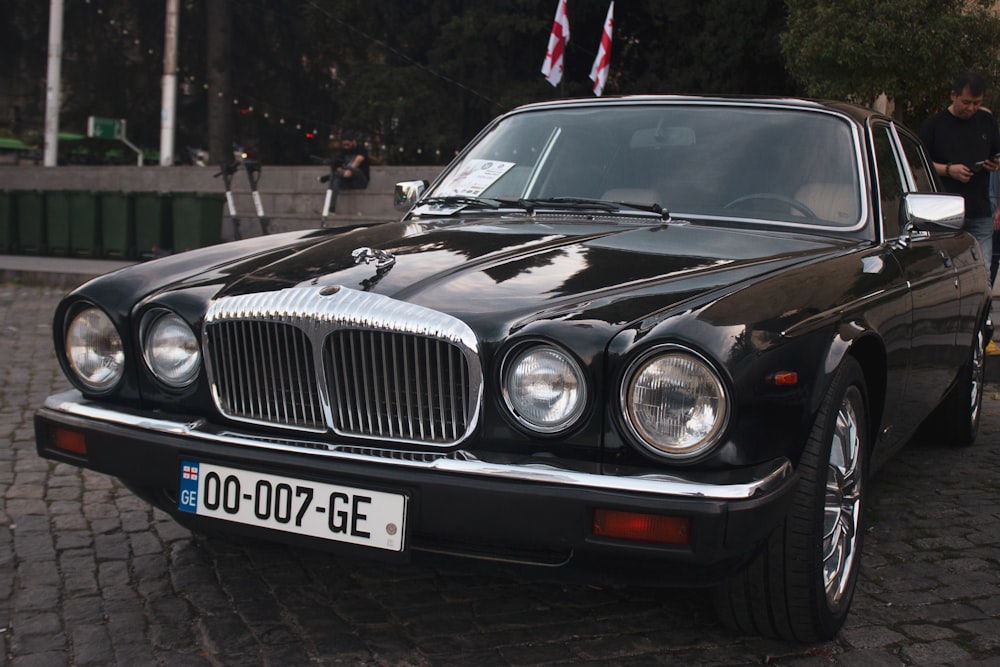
[[979, 165]]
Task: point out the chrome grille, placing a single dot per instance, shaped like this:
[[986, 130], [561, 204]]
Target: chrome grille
[[354, 363], [265, 372], [397, 386]]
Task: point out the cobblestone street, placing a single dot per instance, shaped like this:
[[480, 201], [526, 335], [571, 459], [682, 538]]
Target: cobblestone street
[[90, 575]]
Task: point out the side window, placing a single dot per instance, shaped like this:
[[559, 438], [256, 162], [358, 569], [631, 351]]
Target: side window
[[918, 165], [890, 181]]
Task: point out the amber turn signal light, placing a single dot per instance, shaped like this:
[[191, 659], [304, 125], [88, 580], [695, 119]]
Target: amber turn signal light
[[642, 527], [72, 442]]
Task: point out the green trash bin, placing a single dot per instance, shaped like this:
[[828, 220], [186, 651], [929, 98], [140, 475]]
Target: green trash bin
[[57, 227], [85, 224], [31, 222], [152, 224], [197, 219], [8, 222], [117, 225]]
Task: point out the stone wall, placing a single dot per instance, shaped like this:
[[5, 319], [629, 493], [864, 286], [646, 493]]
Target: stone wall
[[292, 197]]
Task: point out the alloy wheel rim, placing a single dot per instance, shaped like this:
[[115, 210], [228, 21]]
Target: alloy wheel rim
[[978, 377], [842, 505]]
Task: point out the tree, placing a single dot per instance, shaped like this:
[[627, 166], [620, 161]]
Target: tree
[[417, 78], [908, 49]]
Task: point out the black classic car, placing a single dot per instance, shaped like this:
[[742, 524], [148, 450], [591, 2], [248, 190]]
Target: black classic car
[[663, 338]]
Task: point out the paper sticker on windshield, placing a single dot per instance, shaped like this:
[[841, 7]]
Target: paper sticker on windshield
[[473, 178]]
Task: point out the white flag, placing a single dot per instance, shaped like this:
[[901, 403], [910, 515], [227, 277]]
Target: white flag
[[552, 68], [602, 63]]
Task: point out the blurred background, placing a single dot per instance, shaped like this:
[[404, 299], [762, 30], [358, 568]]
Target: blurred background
[[281, 79]]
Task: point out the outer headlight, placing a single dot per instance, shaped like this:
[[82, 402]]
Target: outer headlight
[[675, 403], [544, 388], [94, 349], [170, 348]]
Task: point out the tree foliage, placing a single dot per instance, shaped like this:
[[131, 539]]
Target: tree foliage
[[417, 78], [908, 49]]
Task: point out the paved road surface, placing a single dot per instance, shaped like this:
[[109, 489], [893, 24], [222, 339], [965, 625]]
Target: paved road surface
[[89, 575]]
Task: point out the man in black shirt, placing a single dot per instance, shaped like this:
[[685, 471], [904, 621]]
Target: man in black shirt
[[352, 173], [963, 142]]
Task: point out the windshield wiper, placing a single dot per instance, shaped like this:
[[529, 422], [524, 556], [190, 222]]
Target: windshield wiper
[[461, 200], [573, 203], [583, 203]]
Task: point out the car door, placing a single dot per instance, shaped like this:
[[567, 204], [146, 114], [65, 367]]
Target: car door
[[964, 254], [923, 360]]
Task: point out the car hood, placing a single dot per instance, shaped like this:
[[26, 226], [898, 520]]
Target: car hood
[[515, 269]]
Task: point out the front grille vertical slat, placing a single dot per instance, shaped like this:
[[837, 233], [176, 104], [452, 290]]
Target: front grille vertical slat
[[402, 415], [302, 371], [452, 386], [419, 392], [441, 395], [385, 410], [417, 381], [268, 392], [295, 410], [429, 373]]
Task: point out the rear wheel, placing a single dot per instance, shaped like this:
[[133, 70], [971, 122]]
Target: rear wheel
[[956, 421], [800, 586]]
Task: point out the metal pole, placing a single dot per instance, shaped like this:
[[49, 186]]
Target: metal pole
[[52, 83], [169, 96]]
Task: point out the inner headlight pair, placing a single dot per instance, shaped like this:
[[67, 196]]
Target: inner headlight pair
[[96, 354]]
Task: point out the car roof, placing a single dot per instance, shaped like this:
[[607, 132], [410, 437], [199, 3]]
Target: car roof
[[856, 112]]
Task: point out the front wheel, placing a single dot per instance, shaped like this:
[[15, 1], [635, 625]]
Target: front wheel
[[800, 585]]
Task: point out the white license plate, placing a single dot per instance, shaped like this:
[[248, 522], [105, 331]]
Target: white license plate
[[328, 511]]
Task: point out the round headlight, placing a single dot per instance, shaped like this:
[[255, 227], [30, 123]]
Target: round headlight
[[94, 349], [544, 388], [675, 403], [170, 349]]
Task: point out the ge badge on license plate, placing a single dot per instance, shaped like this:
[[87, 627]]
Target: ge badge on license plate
[[331, 512]]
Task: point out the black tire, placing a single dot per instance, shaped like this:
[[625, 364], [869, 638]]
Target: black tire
[[783, 592], [956, 421]]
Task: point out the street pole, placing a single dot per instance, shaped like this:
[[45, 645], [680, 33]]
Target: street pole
[[52, 83], [169, 95]]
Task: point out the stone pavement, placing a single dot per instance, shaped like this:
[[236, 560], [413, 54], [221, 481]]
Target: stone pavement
[[90, 575]]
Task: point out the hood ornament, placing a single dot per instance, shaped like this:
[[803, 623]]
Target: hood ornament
[[383, 258]]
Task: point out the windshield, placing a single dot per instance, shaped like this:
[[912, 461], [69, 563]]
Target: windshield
[[771, 164]]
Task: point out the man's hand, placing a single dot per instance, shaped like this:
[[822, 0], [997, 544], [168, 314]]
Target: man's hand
[[959, 172]]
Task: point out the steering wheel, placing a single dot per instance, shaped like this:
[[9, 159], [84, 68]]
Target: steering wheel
[[771, 196]]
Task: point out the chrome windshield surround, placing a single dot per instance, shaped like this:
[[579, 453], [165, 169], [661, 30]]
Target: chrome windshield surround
[[331, 358], [766, 478]]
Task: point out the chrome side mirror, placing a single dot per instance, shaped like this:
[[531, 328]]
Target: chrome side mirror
[[407, 193], [920, 213], [924, 211]]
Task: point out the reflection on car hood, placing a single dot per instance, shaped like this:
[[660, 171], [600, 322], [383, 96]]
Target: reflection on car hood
[[483, 269]]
